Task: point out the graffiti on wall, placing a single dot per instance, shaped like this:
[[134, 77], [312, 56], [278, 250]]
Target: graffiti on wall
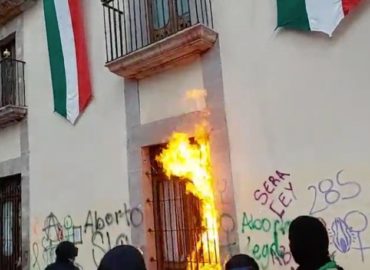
[[266, 237], [54, 232], [228, 227], [328, 192], [346, 231], [272, 252], [95, 233], [276, 193], [226, 221]]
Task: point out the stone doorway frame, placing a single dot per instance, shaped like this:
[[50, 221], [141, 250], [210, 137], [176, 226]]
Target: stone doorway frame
[[139, 137]]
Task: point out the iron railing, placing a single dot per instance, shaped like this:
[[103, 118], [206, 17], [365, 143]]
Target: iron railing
[[134, 24], [12, 86]]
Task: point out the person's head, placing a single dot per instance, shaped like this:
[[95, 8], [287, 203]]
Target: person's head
[[123, 257], [241, 262], [309, 242], [66, 251]]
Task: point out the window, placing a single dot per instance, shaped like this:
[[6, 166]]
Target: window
[[7, 72], [177, 221], [168, 17], [10, 223], [7, 228]]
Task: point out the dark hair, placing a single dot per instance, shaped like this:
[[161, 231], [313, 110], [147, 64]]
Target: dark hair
[[66, 250], [241, 261], [123, 257], [309, 241]]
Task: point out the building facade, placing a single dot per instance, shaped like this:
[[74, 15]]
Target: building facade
[[286, 118]]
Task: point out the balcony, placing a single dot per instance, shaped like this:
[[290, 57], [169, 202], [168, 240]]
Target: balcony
[[12, 92], [12, 8], [144, 37]]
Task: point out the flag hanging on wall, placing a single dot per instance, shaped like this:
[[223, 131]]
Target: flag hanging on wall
[[68, 57], [313, 15]]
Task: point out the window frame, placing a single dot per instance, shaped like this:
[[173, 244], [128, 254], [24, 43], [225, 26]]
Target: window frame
[[176, 22], [10, 191]]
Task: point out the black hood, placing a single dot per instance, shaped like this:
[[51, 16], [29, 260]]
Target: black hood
[[66, 251], [123, 257], [242, 262], [309, 242]]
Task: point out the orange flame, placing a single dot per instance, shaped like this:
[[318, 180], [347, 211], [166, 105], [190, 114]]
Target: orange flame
[[190, 161], [198, 97], [196, 94]]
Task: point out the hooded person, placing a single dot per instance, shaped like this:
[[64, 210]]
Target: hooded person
[[123, 257], [241, 262], [66, 252], [309, 244]]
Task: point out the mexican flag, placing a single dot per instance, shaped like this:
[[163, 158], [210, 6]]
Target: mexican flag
[[68, 57], [313, 15]]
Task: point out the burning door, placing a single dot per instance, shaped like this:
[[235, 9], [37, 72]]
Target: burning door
[[10, 223], [184, 208], [177, 221]]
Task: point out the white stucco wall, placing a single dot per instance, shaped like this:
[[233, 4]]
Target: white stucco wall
[[164, 95], [297, 103], [75, 171], [10, 143]]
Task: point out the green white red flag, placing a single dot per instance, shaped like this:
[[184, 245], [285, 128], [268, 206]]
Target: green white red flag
[[313, 15], [68, 57]]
